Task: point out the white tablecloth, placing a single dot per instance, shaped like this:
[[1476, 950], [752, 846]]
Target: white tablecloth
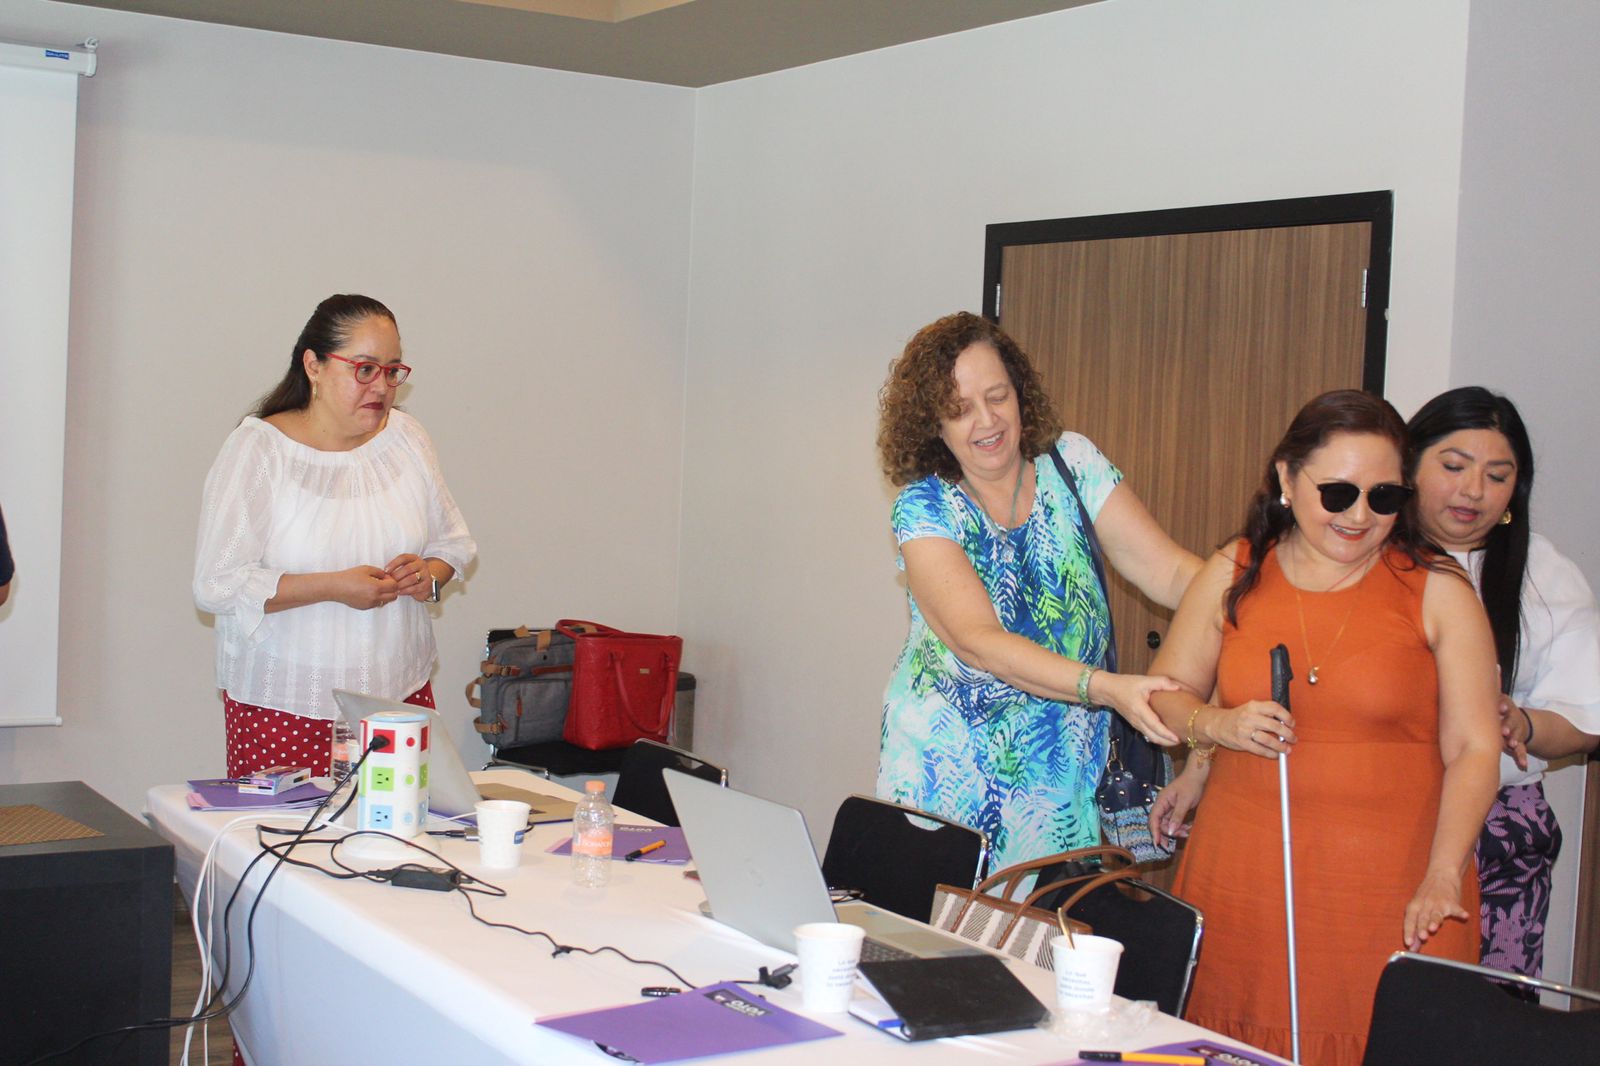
[[361, 972]]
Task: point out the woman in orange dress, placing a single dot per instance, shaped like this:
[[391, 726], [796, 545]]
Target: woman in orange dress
[[1392, 743]]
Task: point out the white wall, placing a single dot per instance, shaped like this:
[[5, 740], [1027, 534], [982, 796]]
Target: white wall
[[839, 207], [1526, 319], [529, 228]]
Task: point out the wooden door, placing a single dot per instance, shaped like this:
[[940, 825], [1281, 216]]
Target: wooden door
[[1184, 356]]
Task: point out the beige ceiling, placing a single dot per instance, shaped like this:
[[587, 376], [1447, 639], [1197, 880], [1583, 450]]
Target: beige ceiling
[[678, 42]]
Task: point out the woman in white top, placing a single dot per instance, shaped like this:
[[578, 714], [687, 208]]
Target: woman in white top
[[1472, 466], [325, 530]]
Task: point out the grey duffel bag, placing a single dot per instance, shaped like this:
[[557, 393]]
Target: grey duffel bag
[[523, 688]]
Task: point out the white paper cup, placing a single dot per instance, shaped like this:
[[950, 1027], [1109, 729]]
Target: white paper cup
[[1086, 971], [828, 954], [499, 822]]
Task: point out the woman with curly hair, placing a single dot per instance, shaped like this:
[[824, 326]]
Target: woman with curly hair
[[995, 715]]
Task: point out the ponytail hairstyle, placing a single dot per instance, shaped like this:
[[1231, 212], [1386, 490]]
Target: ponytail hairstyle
[[1267, 521], [328, 329], [1505, 550]]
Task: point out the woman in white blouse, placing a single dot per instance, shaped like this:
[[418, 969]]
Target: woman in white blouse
[[326, 528], [1472, 465]]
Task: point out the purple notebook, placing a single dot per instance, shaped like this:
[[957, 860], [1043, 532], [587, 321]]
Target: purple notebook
[[714, 1020]]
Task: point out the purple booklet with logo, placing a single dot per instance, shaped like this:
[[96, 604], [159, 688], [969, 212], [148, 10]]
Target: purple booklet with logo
[[714, 1020]]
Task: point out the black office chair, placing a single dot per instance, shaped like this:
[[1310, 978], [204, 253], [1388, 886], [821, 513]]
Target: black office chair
[[879, 850], [1160, 936], [640, 787], [1439, 1010]]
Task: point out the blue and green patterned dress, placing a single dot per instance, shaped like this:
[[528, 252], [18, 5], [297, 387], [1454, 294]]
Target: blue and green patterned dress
[[959, 742]]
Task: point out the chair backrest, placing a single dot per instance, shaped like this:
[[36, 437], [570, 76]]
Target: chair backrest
[[1160, 936], [1438, 1010], [879, 850], [640, 787]]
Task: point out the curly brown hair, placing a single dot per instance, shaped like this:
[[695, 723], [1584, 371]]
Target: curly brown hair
[[921, 390]]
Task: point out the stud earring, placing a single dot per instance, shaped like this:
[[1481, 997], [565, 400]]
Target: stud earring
[[1283, 500], [1505, 518]]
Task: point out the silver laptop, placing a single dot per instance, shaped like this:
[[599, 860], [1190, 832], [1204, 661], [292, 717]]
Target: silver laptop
[[451, 790], [761, 876]]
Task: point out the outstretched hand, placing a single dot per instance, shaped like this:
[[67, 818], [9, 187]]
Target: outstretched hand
[[1129, 695], [1437, 900]]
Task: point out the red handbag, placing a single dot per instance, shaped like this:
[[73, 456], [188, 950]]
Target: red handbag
[[624, 685]]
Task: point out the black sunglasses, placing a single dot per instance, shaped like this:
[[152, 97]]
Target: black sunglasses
[[1385, 499]]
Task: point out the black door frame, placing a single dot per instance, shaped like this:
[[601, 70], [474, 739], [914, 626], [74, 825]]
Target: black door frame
[[1374, 207]]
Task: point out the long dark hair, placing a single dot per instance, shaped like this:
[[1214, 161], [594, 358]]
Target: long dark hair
[[328, 328], [1505, 550], [1266, 520]]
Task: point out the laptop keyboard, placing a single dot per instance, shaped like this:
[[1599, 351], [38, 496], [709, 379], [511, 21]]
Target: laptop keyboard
[[877, 951]]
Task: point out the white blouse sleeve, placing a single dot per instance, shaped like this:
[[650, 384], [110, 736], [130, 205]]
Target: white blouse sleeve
[[1560, 661], [448, 536], [235, 519]]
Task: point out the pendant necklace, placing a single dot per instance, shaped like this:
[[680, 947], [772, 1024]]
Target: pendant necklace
[[1312, 675], [1016, 494]]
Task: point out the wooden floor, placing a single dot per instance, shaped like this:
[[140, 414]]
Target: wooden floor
[[186, 986]]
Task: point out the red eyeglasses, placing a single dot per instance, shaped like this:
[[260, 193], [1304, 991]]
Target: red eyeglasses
[[366, 370]]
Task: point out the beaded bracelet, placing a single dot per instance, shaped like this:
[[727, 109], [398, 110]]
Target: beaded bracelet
[[1202, 752], [1083, 684]]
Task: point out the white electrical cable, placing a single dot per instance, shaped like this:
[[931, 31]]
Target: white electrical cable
[[203, 936]]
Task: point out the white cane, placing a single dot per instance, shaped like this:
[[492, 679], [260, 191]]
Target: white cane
[[1281, 676]]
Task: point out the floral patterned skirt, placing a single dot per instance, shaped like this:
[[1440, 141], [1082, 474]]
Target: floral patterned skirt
[[1516, 852]]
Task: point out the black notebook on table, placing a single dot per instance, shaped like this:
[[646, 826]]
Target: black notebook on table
[[956, 995]]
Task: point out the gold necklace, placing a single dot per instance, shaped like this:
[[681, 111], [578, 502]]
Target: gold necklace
[[1016, 494], [1313, 674]]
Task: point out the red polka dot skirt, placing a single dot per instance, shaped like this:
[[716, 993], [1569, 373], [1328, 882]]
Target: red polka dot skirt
[[259, 738]]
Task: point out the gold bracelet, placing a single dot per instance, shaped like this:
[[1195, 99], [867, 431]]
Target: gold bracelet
[[1202, 752]]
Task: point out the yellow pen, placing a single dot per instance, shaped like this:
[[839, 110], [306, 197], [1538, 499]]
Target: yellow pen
[[648, 848], [1142, 1056]]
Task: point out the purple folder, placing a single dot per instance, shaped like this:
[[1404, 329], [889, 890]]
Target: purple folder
[[1213, 1051], [214, 795], [714, 1020], [627, 838]]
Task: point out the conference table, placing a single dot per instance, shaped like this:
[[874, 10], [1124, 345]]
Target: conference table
[[360, 971]]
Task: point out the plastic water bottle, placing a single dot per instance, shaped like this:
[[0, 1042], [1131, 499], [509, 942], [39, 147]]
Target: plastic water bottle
[[346, 749], [591, 837]]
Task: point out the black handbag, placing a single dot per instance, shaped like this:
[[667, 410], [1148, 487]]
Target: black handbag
[[1136, 770]]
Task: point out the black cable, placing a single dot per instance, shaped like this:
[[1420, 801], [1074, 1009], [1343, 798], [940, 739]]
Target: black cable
[[566, 949], [210, 1013]]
